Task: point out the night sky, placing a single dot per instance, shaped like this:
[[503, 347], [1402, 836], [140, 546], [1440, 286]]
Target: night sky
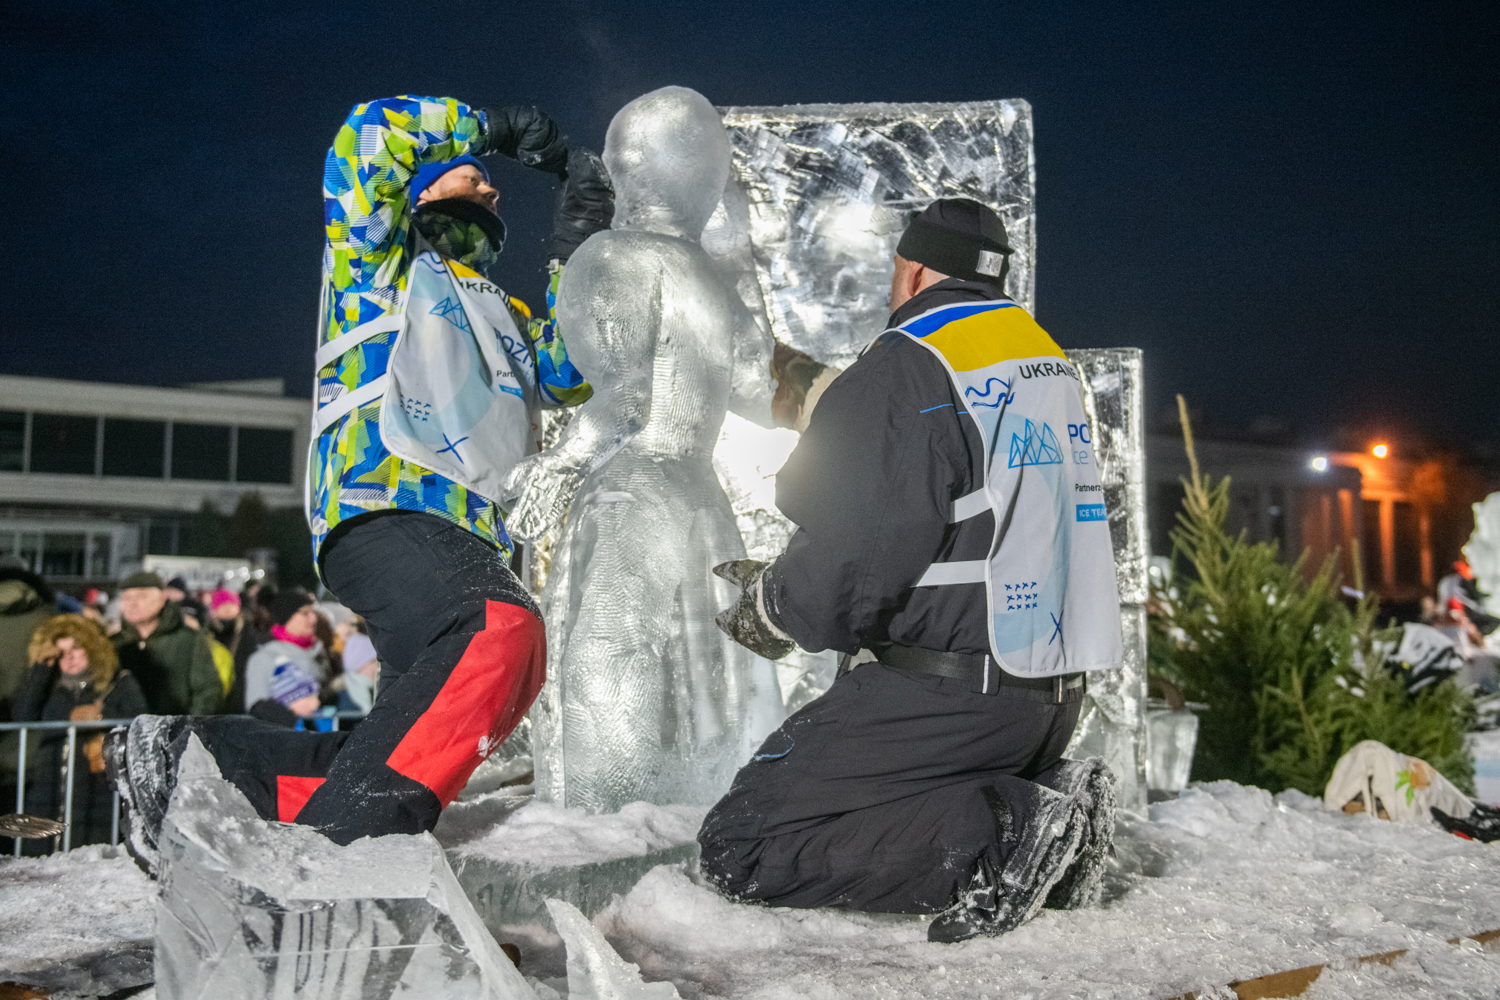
[[1292, 208]]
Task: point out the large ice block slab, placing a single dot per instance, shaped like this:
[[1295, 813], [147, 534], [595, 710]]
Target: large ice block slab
[[251, 910], [831, 187], [1483, 550], [1173, 737], [510, 858], [1112, 723]]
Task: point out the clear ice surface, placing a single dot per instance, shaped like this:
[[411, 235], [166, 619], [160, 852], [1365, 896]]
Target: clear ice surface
[[646, 699], [1172, 737], [251, 910], [1112, 723], [1483, 550], [830, 189], [595, 970], [511, 856]]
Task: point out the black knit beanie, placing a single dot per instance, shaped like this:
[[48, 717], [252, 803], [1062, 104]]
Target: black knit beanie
[[961, 238], [285, 603]]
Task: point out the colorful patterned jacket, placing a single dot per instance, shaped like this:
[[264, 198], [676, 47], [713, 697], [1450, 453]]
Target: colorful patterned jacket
[[371, 243]]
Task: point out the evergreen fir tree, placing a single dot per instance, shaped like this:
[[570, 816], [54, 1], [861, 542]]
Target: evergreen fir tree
[[1288, 669]]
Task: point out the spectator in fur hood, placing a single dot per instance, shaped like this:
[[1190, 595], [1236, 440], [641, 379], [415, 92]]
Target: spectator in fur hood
[[75, 675]]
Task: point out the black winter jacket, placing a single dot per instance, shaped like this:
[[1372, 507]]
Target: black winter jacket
[[43, 697], [871, 487]]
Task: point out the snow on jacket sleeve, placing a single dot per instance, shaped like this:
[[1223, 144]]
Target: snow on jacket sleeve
[[870, 487]]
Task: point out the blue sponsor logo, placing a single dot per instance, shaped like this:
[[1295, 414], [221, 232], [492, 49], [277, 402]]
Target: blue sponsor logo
[[977, 398], [1092, 512], [1034, 446]]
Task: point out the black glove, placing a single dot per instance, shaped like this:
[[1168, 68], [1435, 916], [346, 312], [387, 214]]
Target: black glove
[[526, 135], [746, 621], [585, 205]]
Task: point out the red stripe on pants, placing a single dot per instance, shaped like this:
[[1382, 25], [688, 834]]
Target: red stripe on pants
[[292, 794], [490, 688]]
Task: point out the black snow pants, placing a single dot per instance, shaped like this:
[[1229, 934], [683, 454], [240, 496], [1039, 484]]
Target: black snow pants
[[881, 794], [462, 656]]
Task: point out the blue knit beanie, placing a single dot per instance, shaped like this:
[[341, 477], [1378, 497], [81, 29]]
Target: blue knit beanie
[[432, 171], [290, 684]]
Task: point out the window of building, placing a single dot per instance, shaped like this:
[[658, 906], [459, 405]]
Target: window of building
[[1369, 544], [264, 455], [135, 447], [63, 443], [161, 537], [63, 553], [12, 440], [1408, 543], [200, 451], [99, 557]]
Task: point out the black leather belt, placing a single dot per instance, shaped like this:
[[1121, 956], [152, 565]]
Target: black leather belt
[[980, 670]]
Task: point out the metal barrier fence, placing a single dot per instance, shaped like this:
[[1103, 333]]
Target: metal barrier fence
[[70, 755]]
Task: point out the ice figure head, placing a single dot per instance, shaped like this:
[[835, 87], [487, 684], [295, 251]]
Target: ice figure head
[[668, 156]]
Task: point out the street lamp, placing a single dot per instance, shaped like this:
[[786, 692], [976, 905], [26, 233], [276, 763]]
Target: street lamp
[[1380, 450], [1319, 463]]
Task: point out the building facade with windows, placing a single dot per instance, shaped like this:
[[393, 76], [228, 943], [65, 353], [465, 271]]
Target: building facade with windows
[[1408, 518], [94, 476]]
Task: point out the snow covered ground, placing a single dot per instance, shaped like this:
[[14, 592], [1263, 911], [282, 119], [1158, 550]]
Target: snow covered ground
[[1225, 883], [75, 919]]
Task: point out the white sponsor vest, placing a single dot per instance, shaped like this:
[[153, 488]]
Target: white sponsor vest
[[1049, 581], [459, 395]]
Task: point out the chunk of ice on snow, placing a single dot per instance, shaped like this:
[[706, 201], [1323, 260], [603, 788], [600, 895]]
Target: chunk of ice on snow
[[251, 909], [595, 971]]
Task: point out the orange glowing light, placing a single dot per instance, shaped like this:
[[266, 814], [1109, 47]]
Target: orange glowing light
[[1380, 451]]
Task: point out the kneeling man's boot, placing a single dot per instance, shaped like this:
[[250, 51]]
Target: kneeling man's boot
[[995, 901], [141, 763], [1096, 789]]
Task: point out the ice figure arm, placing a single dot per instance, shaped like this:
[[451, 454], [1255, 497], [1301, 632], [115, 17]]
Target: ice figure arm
[[369, 168], [612, 304], [870, 487], [726, 240]]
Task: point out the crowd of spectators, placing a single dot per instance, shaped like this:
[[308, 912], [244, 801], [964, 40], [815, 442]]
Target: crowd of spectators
[[160, 647]]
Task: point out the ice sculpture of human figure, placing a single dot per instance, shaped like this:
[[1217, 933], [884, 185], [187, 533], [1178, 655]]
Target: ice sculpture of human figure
[[645, 698]]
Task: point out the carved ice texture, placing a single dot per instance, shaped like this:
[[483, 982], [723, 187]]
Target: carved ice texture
[[595, 970], [251, 910], [828, 190], [1112, 723], [1172, 737], [646, 699], [1483, 550]]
